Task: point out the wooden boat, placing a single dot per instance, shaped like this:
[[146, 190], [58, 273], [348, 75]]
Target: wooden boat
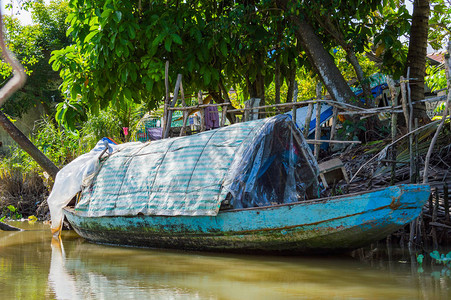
[[322, 225]]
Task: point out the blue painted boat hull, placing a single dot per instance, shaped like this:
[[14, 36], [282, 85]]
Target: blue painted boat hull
[[326, 225]]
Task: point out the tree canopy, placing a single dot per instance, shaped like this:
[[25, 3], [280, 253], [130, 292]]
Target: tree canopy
[[120, 46]]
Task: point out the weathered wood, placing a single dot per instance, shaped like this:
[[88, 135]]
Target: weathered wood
[[246, 111], [318, 129], [341, 105], [28, 146], [394, 119], [331, 141], [202, 112], [308, 119], [197, 107], [166, 99], [404, 99], [223, 116], [169, 112], [6, 227], [295, 99], [334, 123]]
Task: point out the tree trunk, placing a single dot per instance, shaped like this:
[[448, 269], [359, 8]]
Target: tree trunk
[[290, 83], [28, 146], [6, 227], [277, 80], [319, 58], [416, 57]]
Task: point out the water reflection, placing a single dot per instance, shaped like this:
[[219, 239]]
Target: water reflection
[[32, 267]]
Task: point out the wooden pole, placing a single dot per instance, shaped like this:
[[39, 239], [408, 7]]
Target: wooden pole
[[308, 119], [202, 112], [185, 112], [223, 116], [166, 98], [295, 99], [174, 100], [246, 111], [416, 161], [394, 119], [334, 123], [318, 128]]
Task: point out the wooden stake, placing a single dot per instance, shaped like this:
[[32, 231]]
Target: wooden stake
[[308, 119], [223, 116], [334, 122]]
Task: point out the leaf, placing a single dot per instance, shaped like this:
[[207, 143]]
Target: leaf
[[90, 36], [207, 77], [380, 49], [167, 44], [176, 38], [117, 16]]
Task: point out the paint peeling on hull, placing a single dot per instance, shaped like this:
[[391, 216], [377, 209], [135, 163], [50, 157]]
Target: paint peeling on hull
[[335, 224]]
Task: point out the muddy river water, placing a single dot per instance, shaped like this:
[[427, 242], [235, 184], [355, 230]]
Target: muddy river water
[[33, 266]]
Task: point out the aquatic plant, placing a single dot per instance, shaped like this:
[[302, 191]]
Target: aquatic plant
[[444, 259]]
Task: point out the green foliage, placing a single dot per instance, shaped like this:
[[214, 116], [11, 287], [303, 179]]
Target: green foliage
[[350, 129], [57, 144], [444, 259], [11, 212], [435, 78], [439, 23], [32, 45]]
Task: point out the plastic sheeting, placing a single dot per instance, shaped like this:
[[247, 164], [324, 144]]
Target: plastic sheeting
[[70, 179], [255, 163]]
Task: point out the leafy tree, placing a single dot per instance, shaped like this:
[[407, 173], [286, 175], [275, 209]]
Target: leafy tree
[[32, 44]]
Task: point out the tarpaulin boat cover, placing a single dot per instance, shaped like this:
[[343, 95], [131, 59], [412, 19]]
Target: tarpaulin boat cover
[[257, 163]]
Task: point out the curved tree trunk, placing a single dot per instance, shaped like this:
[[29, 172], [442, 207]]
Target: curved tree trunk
[[416, 57], [28, 146], [319, 58]]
